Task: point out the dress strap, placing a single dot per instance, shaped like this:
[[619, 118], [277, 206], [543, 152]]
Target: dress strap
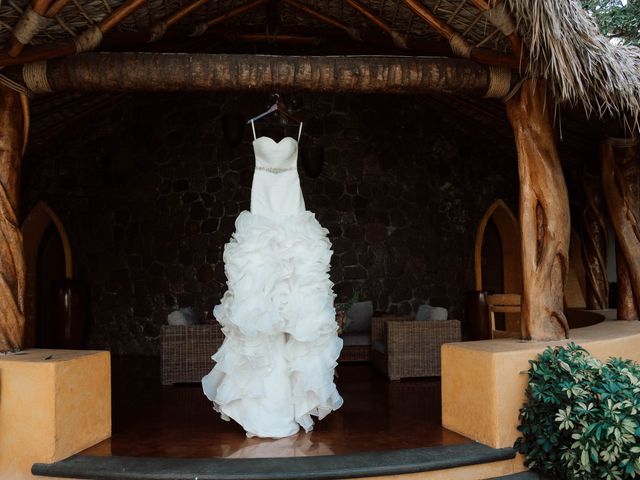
[[299, 132], [253, 127]]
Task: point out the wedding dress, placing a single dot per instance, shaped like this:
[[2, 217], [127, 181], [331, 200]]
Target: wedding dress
[[276, 365]]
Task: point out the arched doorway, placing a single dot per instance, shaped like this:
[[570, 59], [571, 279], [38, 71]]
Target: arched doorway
[[48, 258], [498, 264]]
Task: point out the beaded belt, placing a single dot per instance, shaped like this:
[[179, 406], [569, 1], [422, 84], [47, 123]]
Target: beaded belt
[[274, 170]]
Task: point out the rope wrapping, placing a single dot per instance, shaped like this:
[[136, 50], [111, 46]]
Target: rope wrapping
[[399, 40], [459, 46], [88, 40], [499, 82], [500, 17], [200, 29], [29, 25], [35, 77], [157, 31], [15, 86]]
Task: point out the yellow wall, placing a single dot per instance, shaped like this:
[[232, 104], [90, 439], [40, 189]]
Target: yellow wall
[[51, 408], [483, 382]]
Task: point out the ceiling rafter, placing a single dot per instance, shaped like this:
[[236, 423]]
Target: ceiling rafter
[[94, 35], [396, 36], [499, 16], [459, 44], [351, 31], [89, 39], [203, 26], [34, 18]]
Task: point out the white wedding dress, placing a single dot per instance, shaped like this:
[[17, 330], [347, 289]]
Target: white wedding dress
[[275, 367]]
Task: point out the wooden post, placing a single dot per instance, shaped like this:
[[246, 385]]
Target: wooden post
[[620, 159], [544, 215], [594, 244], [13, 120], [627, 304]]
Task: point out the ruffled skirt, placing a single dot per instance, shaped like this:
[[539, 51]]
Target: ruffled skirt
[[276, 365]]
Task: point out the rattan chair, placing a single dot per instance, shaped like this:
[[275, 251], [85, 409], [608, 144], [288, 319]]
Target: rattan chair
[[186, 352], [405, 347]]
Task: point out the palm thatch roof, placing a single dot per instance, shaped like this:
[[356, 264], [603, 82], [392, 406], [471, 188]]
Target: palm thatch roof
[[583, 66], [553, 39]]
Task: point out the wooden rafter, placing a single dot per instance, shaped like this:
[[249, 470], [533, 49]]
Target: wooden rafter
[[39, 7], [513, 37], [352, 32], [184, 11], [277, 38], [396, 36], [458, 44], [202, 27]]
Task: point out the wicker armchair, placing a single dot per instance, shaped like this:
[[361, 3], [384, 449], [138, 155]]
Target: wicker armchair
[[404, 347], [186, 351]]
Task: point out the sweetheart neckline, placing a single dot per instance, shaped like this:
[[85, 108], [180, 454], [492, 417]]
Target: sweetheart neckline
[[274, 142]]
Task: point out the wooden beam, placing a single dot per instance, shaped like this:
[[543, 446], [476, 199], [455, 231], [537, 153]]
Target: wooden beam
[[620, 163], [211, 72], [544, 215], [276, 38], [12, 270], [39, 7], [513, 37], [184, 11], [627, 308], [458, 44], [397, 37], [88, 40], [594, 243], [203, 26], [352, 32]]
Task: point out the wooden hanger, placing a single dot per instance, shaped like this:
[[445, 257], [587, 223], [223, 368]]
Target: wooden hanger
[[277, 106]]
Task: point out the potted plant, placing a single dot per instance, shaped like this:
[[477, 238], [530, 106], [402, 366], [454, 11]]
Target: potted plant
[[343, 307]]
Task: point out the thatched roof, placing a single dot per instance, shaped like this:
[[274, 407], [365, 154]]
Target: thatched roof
[[561, 41], [583, 67]]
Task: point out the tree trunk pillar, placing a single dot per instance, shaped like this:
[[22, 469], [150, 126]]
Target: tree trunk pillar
[[594, 244], [13, 135], [544, 215], [627, 306], [620, 159]]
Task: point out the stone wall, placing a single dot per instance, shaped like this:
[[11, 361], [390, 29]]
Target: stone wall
[[149, 189]]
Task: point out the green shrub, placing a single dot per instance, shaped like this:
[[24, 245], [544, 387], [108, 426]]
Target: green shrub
[[581, 418]]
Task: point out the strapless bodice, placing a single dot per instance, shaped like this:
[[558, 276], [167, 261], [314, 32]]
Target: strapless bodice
[[276, 155], [276, 186]]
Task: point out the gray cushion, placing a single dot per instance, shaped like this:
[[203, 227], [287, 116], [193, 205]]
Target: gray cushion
[[184, 316], [428, 312], [424, 312], [359, 317], [356, 339], [378, 346]]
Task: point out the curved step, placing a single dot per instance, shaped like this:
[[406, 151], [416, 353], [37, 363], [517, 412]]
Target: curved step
[[365, 464]]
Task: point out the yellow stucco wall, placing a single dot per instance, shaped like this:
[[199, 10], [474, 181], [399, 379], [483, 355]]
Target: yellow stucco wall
[[483, 382], [53, 403]]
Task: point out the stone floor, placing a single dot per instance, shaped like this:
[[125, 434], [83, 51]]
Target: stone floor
[[150, 420]]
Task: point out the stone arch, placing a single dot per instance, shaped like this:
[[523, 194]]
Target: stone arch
[[33, 230], [509, 232]]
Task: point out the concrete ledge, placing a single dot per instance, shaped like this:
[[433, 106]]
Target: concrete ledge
[[53, 403], [321, 467], [483, 382]]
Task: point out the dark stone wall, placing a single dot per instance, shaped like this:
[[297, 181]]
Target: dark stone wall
[[148, 190]]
